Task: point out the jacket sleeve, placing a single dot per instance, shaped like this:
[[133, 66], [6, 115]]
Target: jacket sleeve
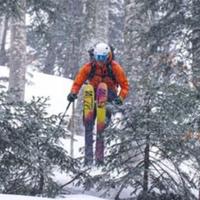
[[121, 80], [80, 78]]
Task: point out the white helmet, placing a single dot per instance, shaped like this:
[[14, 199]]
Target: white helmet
[[101, 52]]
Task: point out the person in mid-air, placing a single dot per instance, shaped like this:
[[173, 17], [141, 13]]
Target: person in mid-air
[[101, 68]]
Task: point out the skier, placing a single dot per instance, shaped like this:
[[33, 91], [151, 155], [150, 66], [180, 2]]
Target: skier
[[101, 68]]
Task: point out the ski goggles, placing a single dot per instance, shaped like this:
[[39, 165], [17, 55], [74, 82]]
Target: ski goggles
[[101, 58]]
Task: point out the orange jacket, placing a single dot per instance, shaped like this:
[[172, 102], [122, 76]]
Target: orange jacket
[[101, 76]]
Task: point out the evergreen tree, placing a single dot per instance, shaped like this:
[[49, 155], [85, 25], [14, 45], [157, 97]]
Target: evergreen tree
[[146, 149], [31, 149]]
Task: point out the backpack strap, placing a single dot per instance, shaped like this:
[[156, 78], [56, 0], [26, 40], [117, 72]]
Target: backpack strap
[[92, 71], [93, 66], [112, 51], [109, 71]]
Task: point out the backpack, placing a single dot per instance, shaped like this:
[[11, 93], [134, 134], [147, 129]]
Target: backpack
[[108, 65]]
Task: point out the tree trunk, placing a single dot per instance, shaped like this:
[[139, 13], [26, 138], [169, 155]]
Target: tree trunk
[[3, 57], [17, 58], [199, 188], [51, 57], [196, 45], [41, 183], [147, 147], [102, 20], [116, 29], [146, 166], [88, 30], [72, 57]]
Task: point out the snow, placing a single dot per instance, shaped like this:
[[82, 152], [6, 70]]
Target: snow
[[69, 197], [54, 87], [44, 85]]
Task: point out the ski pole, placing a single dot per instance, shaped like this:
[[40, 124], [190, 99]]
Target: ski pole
[[62, 117], [67, 107], [64, 114]]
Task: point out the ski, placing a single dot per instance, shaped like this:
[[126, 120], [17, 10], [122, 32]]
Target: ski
[[88, 120], [101, 99]]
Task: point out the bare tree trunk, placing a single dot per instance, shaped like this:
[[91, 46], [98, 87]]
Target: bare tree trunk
[[51, 57], [17, 57], [72, 56], [3, 57], [102, 20], [2, 23], [147, 149], [116, 28], [41, 183], [196, 46], [146, 166], [199, 188], [88, 27]]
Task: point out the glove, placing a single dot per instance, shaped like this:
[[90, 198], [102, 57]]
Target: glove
[[71, 97], [118, 101]]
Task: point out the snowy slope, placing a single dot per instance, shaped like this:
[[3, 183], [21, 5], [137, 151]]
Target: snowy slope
[[39, 84], [69, 197], [54, 87]]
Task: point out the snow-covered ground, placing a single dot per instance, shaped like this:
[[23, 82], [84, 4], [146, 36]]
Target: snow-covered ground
[[68, 197], [39, 84], [56, 88]]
